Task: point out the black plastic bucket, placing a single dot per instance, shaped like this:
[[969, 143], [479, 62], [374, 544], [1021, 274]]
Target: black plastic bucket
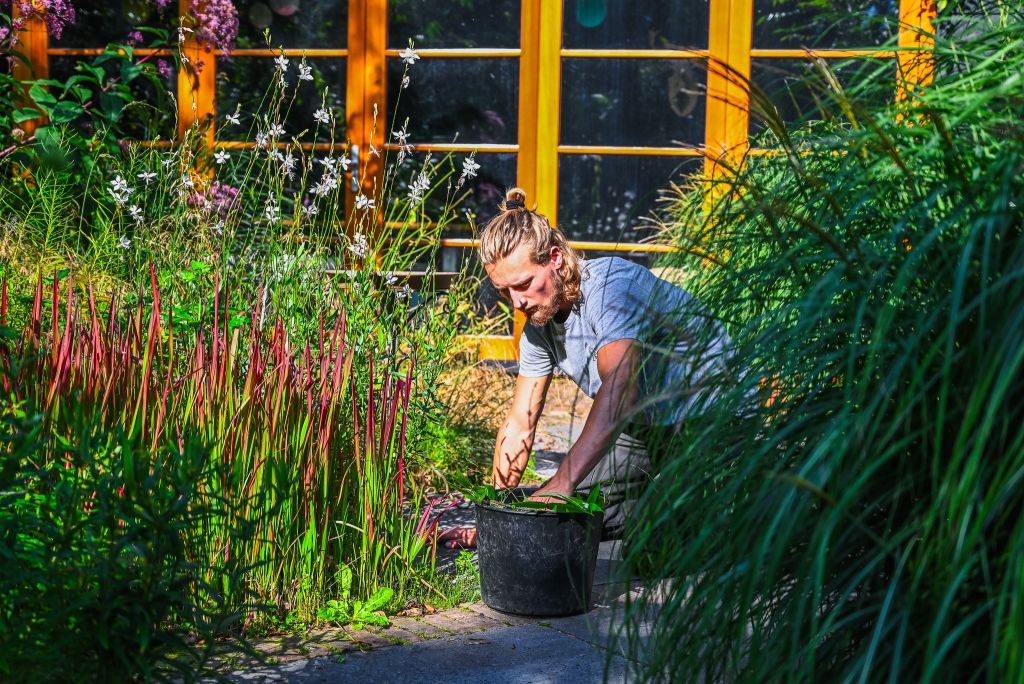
[[538, 563]]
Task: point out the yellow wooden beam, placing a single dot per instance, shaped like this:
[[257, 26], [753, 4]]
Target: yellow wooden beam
[[490, 347], [635, 151], [802, 53], [434, 53], [467, 243], [32, 42], [580, 53], [197, 88], [916, 40], [741, 37]]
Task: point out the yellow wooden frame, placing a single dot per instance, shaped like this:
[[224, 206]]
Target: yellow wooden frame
[[729, 54]]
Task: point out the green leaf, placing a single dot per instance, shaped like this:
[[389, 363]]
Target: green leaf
[[112, 104], [48, 136], [41, 96], [66, 111], [26, 114], [379, 599], [129, 71]]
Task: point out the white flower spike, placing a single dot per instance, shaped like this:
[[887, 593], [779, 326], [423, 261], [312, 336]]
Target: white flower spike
[[409, 55]]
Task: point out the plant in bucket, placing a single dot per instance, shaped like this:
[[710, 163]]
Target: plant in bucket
[[537, 558]]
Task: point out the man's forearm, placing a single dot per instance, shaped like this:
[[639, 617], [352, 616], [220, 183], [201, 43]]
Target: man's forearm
[[511, 453], [595, 439]]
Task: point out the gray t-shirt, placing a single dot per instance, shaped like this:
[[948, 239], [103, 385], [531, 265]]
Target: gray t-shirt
[[682, 347]]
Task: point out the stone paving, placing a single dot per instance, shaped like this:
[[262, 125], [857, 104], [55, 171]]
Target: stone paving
[[460, 644]]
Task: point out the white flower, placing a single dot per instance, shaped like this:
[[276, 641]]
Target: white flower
[[272, 211], [136, 213], [322, 115], [364, 202], [419, 186], [389, 278], [409, 56], [120, 190], [405, 82], [469, 167], [374, 152], [311, 210], [404, 293], [275, 154], [305, 72], [262, 139], [118, 184], [146, 176], [168, 161], [221, 156], [402, 140], [186, 181], [233, 119], [275, 130], [124, 242], [281, 62], [185, 60], [182, 30], [359, 246]]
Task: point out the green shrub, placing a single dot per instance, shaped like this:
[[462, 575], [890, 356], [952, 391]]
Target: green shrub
[[863, 522], [100, 579]]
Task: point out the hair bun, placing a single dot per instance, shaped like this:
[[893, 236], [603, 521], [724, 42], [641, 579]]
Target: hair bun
[[515, 198]]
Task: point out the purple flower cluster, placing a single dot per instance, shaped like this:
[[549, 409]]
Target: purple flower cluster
[[216, 23], [217, 199], [56, 13]]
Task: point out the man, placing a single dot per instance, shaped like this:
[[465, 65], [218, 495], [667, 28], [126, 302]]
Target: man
[[642, 348]]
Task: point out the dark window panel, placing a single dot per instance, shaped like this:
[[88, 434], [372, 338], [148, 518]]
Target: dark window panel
[[99, 23], [798, 90], [293, 23], [244, 82], [633, 102], [637, 24], [610, 197], [454, 24], [475, 99], [850, 24]]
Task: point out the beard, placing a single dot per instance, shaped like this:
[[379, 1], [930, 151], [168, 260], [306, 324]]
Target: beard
[[543, 313]]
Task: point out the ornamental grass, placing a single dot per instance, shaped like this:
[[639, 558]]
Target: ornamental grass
[[863, 521]]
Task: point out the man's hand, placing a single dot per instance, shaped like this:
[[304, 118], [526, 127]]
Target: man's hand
[[556, 485]]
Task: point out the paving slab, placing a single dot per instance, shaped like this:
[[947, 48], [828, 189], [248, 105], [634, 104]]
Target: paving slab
[[527, 654]]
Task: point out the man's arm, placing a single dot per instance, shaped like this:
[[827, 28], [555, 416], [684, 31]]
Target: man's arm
[[515, 436], [617, 363]]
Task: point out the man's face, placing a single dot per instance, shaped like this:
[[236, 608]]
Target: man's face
[[535, 289]]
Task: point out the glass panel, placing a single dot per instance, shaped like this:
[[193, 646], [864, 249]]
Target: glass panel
[[607, 197], [293, 23], [647, 102], [799, 91], [475, 99], [638, 24], [154, 112], [462, 24], [99, 23], [244, 82], [850, 24]]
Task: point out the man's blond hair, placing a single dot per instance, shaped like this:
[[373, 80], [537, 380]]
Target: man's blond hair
[[517, 225]]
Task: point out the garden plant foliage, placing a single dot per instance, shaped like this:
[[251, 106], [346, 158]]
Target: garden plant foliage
[[206, 338], [864, 523]]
